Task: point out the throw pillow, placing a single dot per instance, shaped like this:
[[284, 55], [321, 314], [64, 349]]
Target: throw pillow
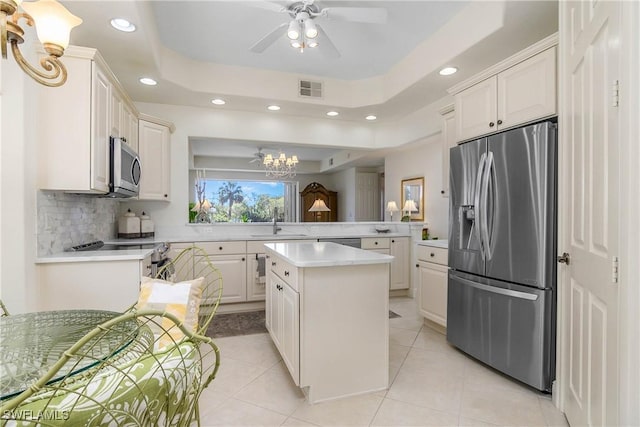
[[181, 299]]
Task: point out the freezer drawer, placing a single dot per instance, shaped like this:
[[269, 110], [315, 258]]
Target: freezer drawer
[[509, 327]]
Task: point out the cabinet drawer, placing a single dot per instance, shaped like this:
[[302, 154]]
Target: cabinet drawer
[[285, 271], [375, 243], [431, 254], [223, 248]]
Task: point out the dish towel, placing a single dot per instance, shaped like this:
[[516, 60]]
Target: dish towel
[[260, 270]]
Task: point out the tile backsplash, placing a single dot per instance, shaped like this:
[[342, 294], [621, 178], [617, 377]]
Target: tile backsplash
[[66, 220]]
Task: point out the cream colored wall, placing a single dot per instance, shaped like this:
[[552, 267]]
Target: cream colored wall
[[17, 188], [420, 159], [345, 185]]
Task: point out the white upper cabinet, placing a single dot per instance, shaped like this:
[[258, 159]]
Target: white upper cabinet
[[74, 123], [476, 109], [527, 91], [154, 151], [448, 141], [520, 89]]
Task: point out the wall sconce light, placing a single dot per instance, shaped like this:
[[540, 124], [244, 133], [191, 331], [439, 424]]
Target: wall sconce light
[[391, 208], [53, 24], [319, 206]]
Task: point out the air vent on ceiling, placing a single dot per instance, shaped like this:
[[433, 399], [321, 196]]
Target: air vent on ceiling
[[310, 89]]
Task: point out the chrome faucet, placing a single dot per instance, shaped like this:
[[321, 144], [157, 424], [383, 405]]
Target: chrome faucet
[[275, 221]]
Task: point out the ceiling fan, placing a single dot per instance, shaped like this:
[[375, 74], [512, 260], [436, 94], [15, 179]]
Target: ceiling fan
[[257, 156], [303, 32]]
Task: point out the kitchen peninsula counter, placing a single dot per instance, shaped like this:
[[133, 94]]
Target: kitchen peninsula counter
[[327, 311]]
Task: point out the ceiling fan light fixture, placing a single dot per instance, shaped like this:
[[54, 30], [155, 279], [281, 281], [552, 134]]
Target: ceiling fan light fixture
[[294, 30], [310, 29], [311, 43]]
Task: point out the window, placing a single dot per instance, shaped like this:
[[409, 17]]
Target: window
[[250, 201]]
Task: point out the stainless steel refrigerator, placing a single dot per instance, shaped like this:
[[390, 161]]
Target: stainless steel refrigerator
[[502, 252]]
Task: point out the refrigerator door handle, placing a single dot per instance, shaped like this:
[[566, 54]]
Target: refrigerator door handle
[[484, 200], [496, 290], [476, 204]]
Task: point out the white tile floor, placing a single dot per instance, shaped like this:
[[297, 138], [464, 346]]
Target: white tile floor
[[432, 384]]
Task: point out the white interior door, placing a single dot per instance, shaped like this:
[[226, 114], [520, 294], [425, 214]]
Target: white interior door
[[589, 174]]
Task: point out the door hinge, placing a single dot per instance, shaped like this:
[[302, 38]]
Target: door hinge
[[615, 93], [614, 269]]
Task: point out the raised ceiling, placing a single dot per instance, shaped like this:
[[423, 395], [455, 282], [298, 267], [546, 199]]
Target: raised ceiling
[[198, 50]]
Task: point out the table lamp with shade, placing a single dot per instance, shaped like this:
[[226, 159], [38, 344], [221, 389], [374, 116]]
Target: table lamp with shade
[[202, 211], [391, 208], [409, 206], [319, 206]]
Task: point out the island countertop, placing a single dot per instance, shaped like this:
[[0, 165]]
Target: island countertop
[[326, 254]]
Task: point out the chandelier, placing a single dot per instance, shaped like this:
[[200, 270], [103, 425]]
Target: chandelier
[[53, 24], [281, 166]]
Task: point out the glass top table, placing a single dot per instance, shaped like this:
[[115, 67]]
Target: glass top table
[[31, 343]]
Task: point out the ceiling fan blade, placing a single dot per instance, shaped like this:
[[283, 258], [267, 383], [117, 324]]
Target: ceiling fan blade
[[269, 39], [267, 5], [369, 15], [325, 45]]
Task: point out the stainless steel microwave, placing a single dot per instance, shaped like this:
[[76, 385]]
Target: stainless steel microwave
[[125, 169]]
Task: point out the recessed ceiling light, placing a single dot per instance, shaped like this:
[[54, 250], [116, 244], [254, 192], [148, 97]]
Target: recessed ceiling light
[[273, 107], [371, 117], [148, 81], [332, 113], [218, 101], [447, 71], [122, 25]]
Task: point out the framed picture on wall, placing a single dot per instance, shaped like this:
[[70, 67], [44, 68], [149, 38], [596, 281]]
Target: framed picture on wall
[[412, 191]]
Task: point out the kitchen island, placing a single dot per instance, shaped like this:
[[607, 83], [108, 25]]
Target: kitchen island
[[327, 311]]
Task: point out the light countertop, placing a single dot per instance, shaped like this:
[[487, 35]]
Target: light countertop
[[326, 254], [87, 256], [434, 243]]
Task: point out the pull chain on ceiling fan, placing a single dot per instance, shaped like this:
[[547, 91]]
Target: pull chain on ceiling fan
[[303, 32]]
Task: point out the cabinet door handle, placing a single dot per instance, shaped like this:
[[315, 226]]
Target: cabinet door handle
[[441, 191], [499, 122], [166, 195], [242, 258], [273, 263], [286, 273], [220, 248], [375, 243], [417, 265], [432, 254], [491, 124], [393, 241]]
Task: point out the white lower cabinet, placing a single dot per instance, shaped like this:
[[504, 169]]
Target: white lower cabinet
[[284, 322], [432, 277], [230, 258], [398, 247], [330, 325], [95, 285]]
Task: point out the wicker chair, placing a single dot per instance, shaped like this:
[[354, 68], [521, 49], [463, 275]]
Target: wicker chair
[[135, 383], [191, 263]]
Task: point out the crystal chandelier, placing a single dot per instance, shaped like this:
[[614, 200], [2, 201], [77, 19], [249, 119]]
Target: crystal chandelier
[[281, 166]]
